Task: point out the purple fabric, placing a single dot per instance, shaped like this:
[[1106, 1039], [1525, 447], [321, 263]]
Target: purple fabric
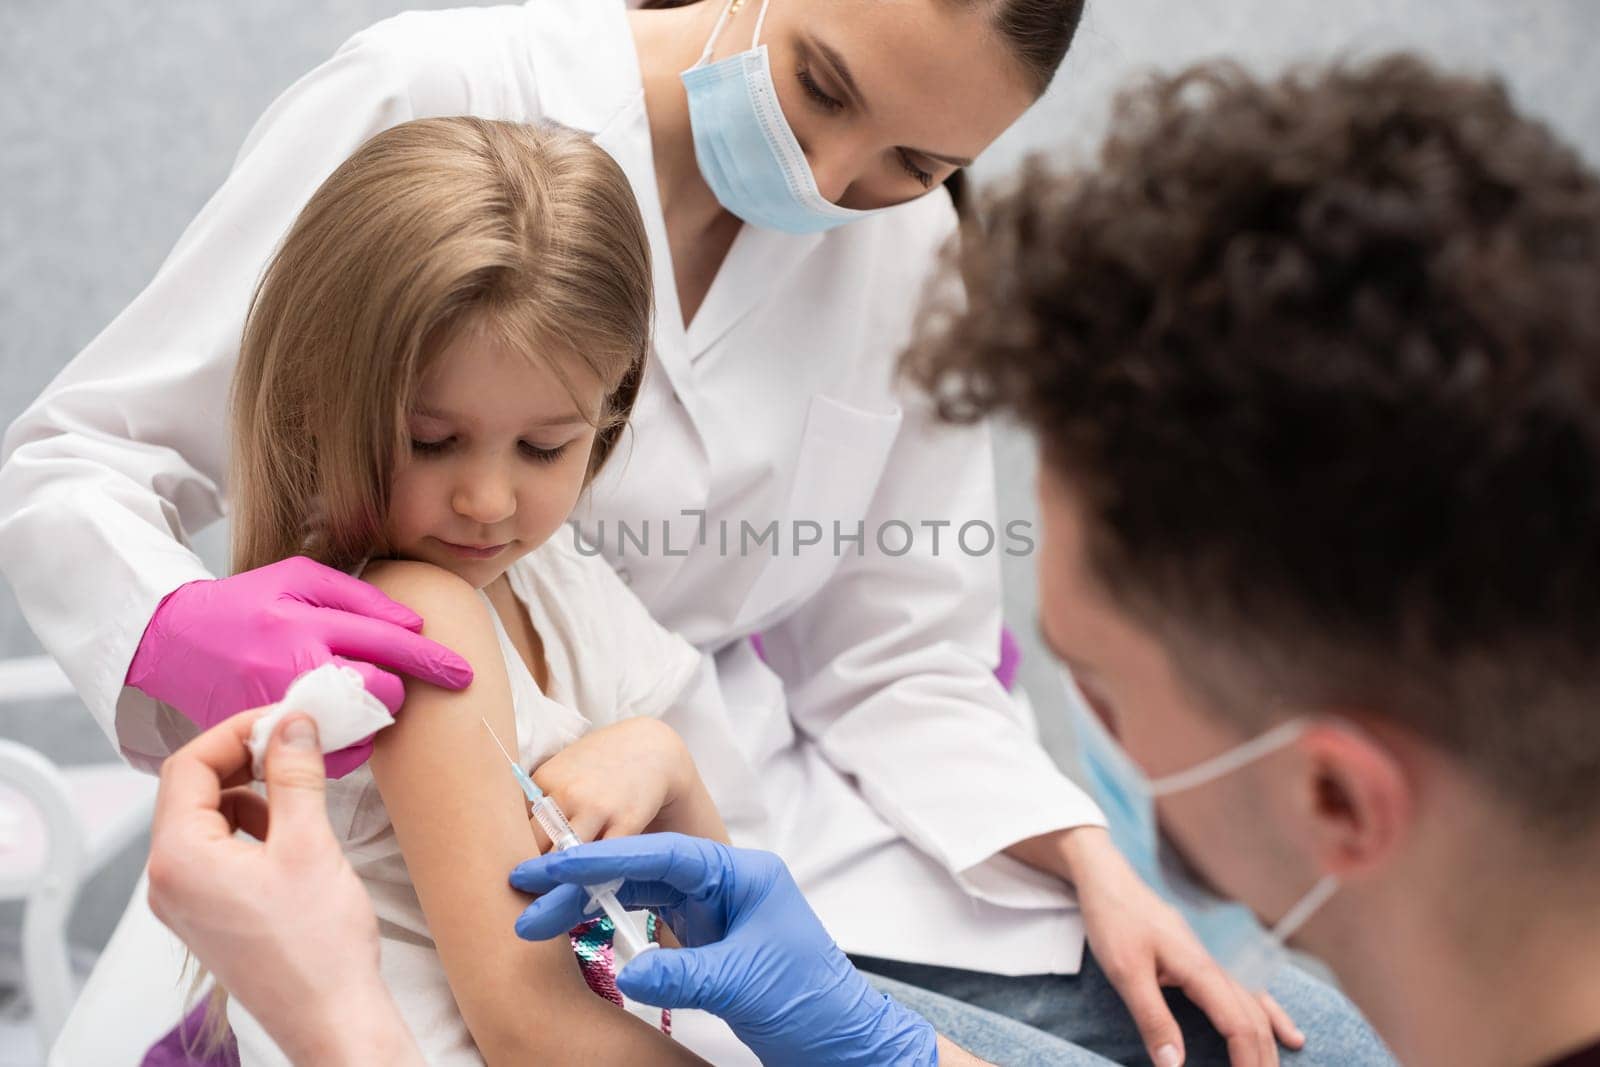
[[1010, 658], [184, 1046], [1005, 673]]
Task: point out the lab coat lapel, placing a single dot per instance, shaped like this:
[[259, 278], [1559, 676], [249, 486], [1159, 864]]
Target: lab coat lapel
[[584, 67], [626, 139], [757, 264], [589, 80]]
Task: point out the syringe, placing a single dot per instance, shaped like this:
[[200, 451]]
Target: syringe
[[554, 823]]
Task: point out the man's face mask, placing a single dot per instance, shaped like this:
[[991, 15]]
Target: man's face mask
[[1228, 930]]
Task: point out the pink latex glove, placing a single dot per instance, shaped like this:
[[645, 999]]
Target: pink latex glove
[[218, 647]]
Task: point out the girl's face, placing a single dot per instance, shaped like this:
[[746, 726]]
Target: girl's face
[[499, 450], [886, 98]]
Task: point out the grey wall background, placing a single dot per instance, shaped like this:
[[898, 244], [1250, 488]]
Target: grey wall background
[[117, 121]]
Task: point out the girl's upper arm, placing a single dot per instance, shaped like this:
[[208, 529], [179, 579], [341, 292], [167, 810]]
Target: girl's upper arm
[[462, 825]]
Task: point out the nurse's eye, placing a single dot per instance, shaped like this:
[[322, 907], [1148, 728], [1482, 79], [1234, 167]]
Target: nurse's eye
[[431, 448], [541, 455], [813, 90], [912, 169]]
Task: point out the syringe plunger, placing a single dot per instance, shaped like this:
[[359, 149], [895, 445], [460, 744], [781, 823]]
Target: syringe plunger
[[553, 821]]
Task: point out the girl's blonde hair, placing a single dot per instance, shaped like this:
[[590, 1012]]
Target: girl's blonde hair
[[432, 227]]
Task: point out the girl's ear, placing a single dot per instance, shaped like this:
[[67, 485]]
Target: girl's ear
[[614, 420], [605, 440]]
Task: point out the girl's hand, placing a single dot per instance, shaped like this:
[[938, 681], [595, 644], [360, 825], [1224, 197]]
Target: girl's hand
[[1142, 943], [623, 779]]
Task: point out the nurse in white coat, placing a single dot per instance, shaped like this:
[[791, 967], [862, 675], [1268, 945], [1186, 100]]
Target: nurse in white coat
[[872, 747]]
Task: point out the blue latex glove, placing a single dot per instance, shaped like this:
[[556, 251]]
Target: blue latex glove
[[754, 954]]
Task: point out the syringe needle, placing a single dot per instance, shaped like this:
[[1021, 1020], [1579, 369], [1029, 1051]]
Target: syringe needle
[[554, 823], [497, 743]]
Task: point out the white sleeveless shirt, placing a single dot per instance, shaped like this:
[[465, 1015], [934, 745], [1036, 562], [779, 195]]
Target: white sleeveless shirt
[[607, 660]]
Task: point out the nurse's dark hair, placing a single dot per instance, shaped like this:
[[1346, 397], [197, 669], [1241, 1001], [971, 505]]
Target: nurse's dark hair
[[1317, 362], [527, 233]]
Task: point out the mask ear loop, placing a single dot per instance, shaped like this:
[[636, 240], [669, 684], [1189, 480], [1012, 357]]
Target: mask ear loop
[[760, 21], [1309, 904], [716, 31], [722, 20], [1229, 761]]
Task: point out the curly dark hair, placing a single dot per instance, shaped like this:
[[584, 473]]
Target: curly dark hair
[[1320, 360]]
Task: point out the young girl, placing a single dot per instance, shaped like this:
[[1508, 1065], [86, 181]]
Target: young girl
[[440, 357]]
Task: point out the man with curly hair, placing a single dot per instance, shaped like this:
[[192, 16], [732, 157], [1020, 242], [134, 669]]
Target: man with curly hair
[[1314, 367]]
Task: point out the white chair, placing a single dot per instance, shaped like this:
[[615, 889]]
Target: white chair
[[58, 827]]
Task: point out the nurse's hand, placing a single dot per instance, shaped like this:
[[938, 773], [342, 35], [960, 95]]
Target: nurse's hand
[[1142, 944], [285, 926], [216, 647], [755, 954]]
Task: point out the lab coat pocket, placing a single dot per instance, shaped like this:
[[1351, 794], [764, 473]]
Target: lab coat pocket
[[843, 450]]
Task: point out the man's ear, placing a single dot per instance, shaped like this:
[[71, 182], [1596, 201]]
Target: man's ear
[[1359, 799]]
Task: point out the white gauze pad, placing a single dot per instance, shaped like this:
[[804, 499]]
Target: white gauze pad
[[337, 702]]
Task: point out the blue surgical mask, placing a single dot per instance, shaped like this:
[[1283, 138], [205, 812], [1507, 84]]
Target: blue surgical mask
[[1229, 931], [747, 153]]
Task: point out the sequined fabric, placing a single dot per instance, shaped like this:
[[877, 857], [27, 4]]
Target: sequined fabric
[[594, 943]]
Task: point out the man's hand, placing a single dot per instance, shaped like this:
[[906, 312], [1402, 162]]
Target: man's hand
[[285, 926], [755, 953]]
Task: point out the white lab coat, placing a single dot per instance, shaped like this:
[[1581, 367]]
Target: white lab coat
[[877, 753]]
